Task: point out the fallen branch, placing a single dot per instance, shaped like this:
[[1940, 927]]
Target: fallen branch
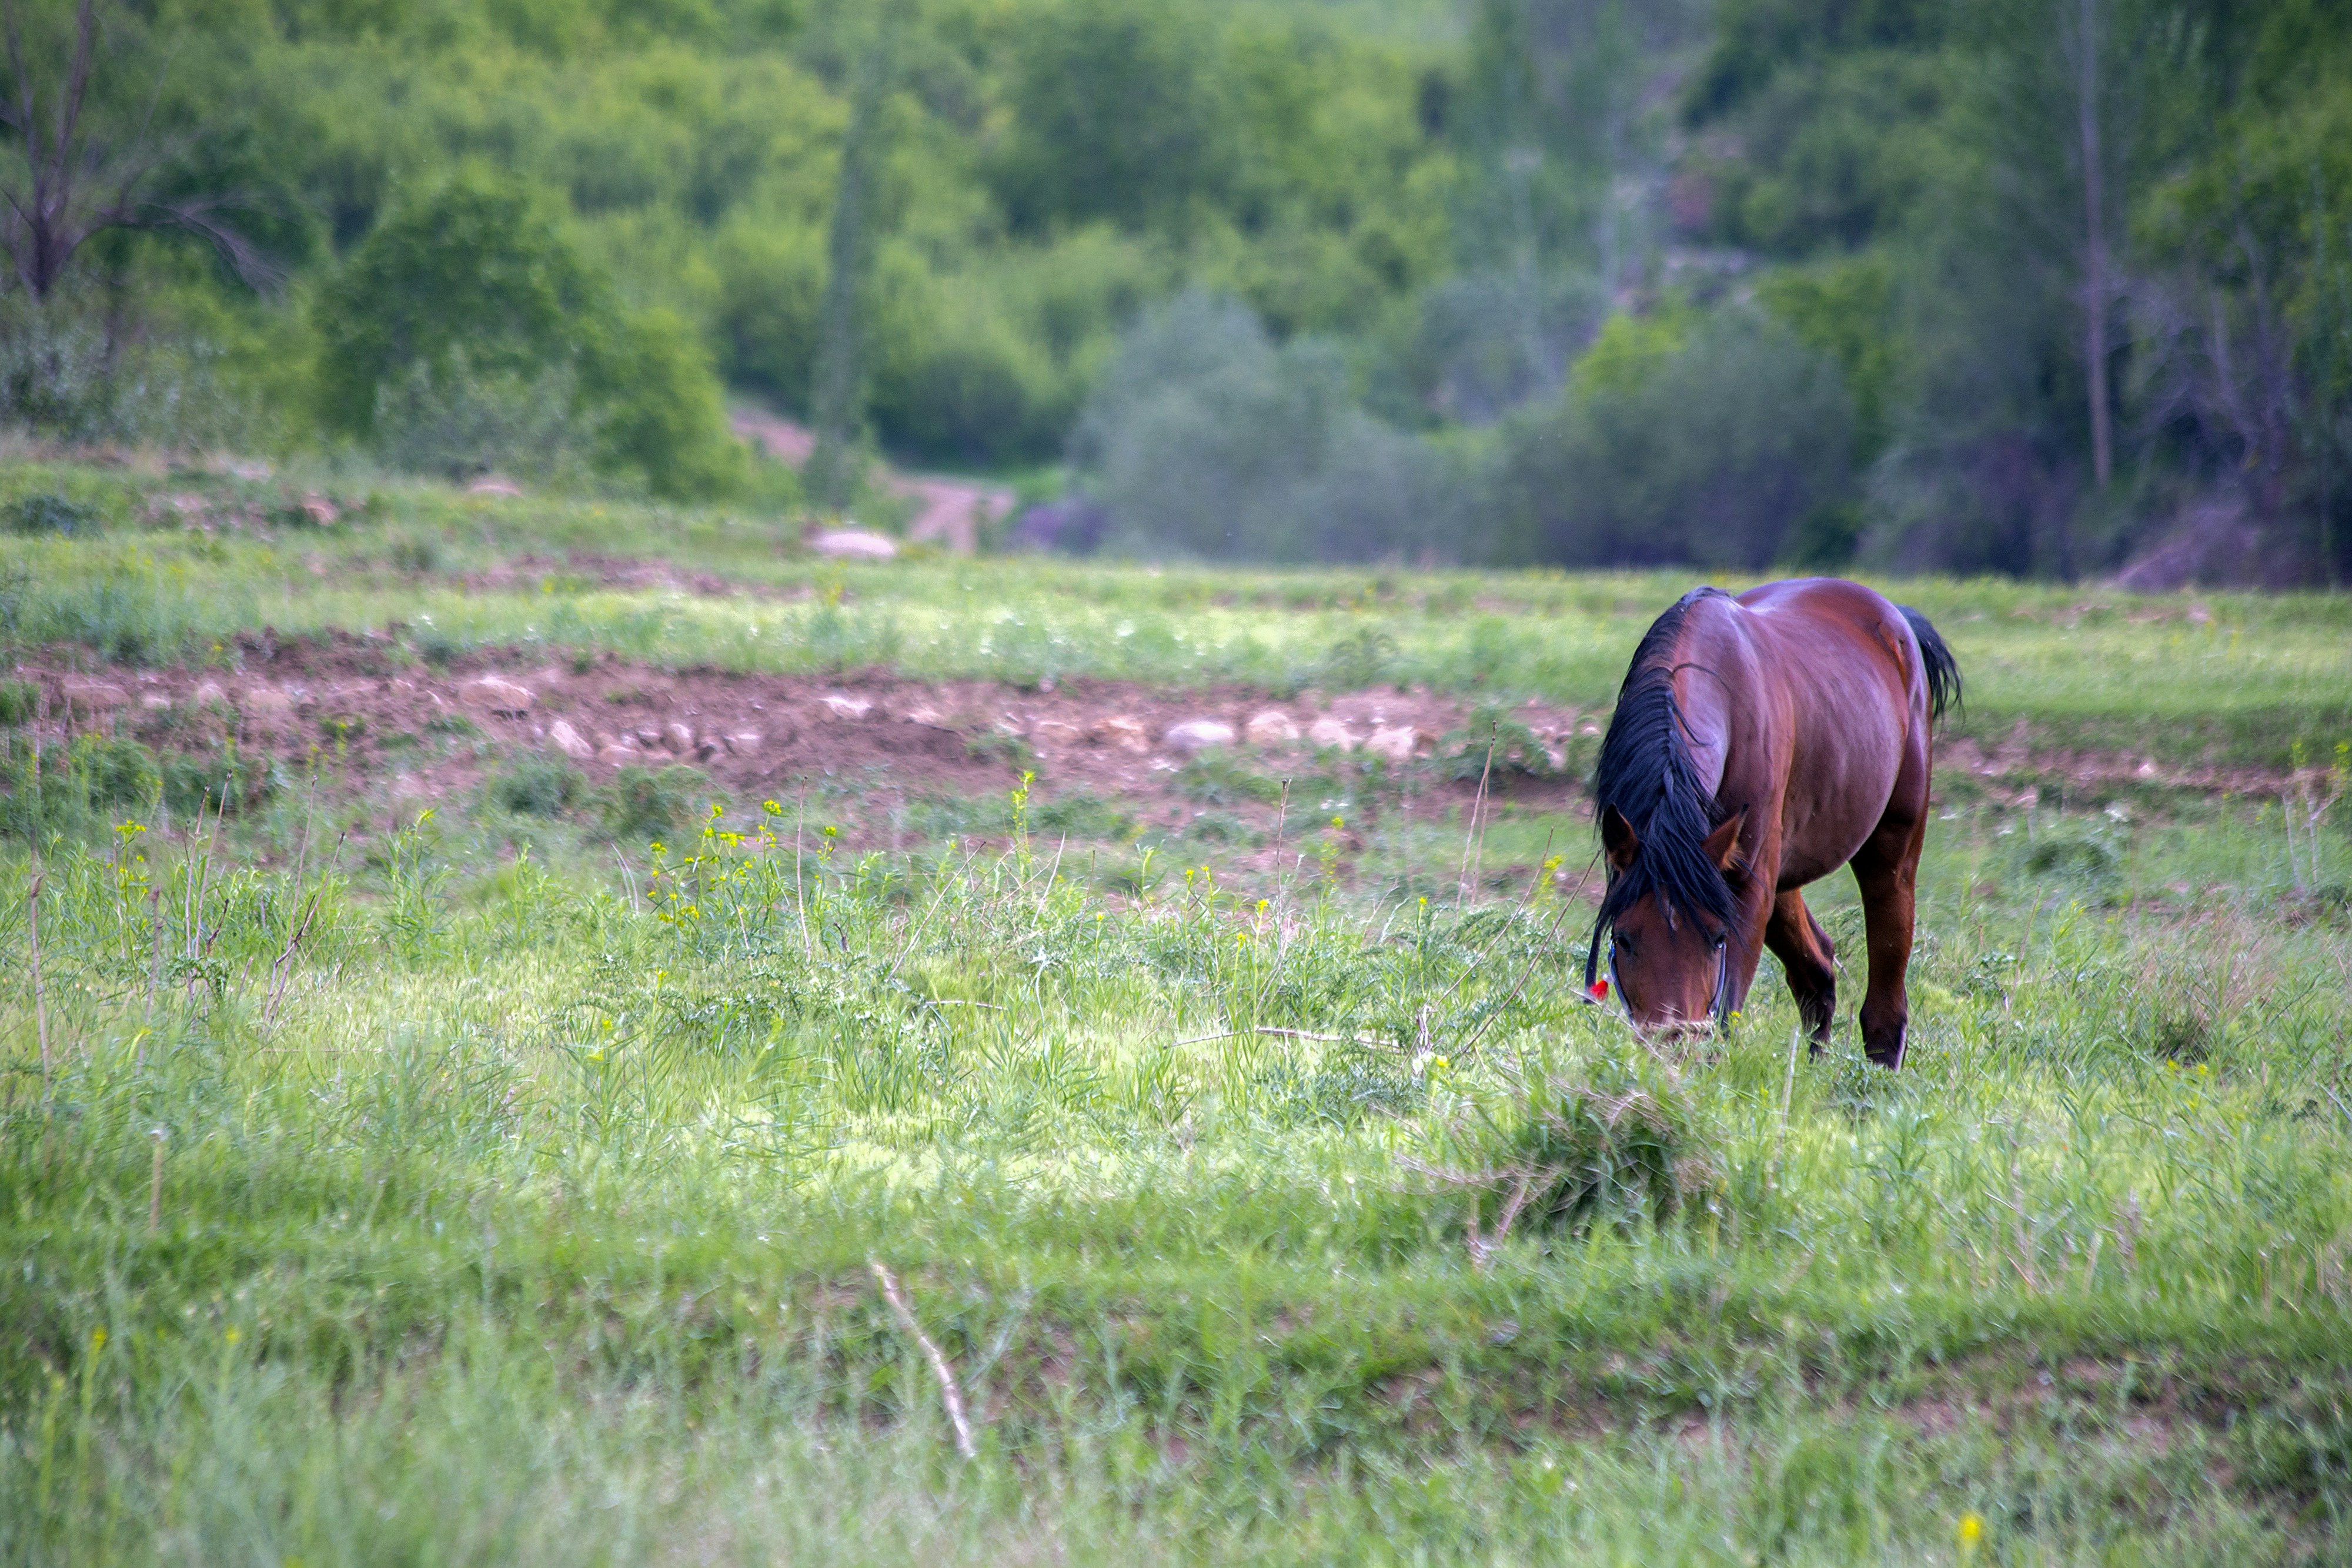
[[949, 1393], [1267, 1029]]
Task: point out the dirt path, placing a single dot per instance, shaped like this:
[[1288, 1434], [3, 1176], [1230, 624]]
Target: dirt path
[[949, 511]]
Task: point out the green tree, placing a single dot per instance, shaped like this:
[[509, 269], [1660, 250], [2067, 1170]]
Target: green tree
[[478, 263]]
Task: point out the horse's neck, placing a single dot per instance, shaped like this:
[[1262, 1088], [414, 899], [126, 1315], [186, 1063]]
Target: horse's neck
[[1707, 672]]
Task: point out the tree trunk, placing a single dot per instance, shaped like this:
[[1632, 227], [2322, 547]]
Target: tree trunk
[[2094, 246], [838, 395]]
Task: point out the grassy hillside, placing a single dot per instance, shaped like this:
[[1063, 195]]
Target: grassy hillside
[[448, 1153]]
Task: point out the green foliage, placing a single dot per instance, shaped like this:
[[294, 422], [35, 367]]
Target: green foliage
[[1704, 443], [1118, 113], [1203, 439], [468, 332], [659, 411], [19, 702], [477, 263]]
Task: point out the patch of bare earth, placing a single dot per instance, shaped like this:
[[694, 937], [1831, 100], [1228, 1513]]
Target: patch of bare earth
[[867, 740]]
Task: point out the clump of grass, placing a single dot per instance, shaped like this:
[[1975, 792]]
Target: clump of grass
[[538, 786], [1493, 733], [48, 513], [416, 554], [115, 772], [1568, 1152], [225, 783], [19, 701], [646, 802], [1217, 778]]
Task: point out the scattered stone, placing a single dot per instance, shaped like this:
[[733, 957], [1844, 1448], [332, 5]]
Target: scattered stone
[[2146, 770], [155, 701], [708, 747], [569, 741], [844, 706], [1271, 726], [929, 716], [493, 485], [495, 694], [1329, 733], [92, 697], [680, 738], [616, 755], [268, 701], [1120, 733], [320, 511], [743, 742], [210, 694], [1056, 732], [854, 544], [1198, 734], [1394, 742]]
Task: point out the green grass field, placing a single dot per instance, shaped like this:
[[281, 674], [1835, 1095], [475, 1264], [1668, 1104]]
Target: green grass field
[[501, 1187]]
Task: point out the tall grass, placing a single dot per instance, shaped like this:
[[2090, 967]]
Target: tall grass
[[534, 1223]]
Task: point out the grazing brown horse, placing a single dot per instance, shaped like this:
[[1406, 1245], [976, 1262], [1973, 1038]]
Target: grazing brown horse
[[1759, 743]]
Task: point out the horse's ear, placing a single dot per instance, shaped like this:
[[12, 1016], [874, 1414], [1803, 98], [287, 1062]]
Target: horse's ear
[[1722, 846], [1618, 839]]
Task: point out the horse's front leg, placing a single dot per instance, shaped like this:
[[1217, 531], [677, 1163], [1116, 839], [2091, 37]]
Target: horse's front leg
[[1888, 869], [1797, 939]]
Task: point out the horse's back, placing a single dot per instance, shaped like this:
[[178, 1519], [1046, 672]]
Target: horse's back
[[1842, 666]]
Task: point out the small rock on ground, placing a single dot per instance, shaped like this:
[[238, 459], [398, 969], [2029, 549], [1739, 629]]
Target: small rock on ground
[[1198, 734], [1271, 726]]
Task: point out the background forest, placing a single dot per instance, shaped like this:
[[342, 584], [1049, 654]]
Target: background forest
[[2055, 288]]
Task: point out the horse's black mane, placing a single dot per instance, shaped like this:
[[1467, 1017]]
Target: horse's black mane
[[1646, 772]]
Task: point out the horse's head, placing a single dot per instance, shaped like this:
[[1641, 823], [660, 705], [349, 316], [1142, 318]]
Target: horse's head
[[1670, 936]]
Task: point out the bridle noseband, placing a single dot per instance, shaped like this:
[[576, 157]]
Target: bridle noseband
[[1718, 1005]]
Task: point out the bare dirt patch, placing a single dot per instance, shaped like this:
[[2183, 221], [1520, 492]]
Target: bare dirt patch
[[867, 738]]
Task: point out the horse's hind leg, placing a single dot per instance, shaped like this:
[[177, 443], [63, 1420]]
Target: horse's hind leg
[[1888, 869], [1797, 939]]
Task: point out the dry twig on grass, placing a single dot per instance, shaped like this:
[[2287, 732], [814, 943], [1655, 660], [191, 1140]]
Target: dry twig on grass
[[950, 1395]]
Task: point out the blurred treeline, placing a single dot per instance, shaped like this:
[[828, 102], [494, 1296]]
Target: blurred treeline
[[2050, 286]]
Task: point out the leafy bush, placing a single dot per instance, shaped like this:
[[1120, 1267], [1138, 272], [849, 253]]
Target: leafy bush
[[470, 304], [646, 803], [537, 787], [1706, 441], [19, 701], [457, 422], [1205, 439]]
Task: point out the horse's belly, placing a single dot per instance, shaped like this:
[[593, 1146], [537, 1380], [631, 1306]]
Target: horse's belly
[[1838, 792]]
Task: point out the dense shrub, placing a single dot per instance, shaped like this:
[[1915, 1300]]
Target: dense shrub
[[471, 302], [1205, 439], [1706, 441]]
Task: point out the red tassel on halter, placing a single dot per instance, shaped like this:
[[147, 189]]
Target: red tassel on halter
[[1599, 989]]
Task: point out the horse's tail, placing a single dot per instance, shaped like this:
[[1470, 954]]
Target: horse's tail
[[1943, 670]]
